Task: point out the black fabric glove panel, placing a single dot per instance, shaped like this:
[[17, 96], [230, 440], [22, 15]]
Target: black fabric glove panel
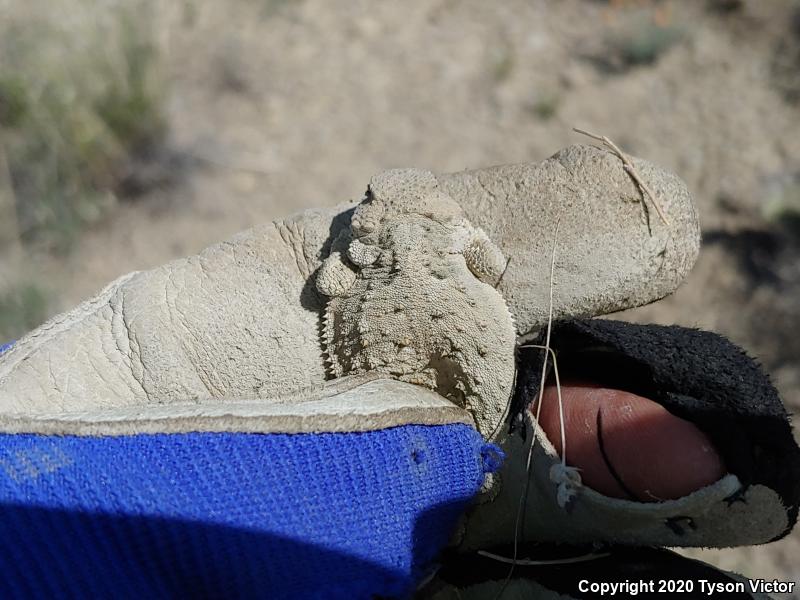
[[697, 375]]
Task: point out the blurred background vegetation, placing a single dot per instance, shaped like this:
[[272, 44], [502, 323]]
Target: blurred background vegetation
[[81, 106], [76, 112], [133, 132]]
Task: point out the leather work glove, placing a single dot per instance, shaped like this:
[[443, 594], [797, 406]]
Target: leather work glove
[[340, 404]]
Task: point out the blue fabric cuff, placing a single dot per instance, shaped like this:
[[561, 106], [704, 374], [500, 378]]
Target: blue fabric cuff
[[333, 515]]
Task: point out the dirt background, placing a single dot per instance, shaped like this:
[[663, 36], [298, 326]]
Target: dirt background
[[276, 106]]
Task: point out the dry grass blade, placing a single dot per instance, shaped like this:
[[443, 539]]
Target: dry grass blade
[[525, 562], [519, 522], [500, 279], [560, 399], [629, 169]]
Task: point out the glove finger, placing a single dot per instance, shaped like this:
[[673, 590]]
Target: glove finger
[[613, 250], [697, 376]]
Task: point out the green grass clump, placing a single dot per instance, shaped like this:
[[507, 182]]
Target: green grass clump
[[502, 63], [22, 308], [545, 107], [643, 45], [13, 101], [783, 208], [636, 43], [77, 106], [131, 105]]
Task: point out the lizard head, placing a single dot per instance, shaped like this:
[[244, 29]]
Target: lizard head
[[411, 295], [397, 193]]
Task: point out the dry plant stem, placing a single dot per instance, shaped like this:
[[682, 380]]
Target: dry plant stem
[[544, 370], [493, 435], [500, 279], [629, 169], [560, 400], [525, 562], [502, 421], [559, 561], [523, 500]]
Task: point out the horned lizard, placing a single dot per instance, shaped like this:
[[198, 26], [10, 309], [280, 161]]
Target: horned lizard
[[410, 287]]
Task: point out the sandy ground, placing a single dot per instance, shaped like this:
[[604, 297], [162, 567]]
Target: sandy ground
[[276, 106]]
